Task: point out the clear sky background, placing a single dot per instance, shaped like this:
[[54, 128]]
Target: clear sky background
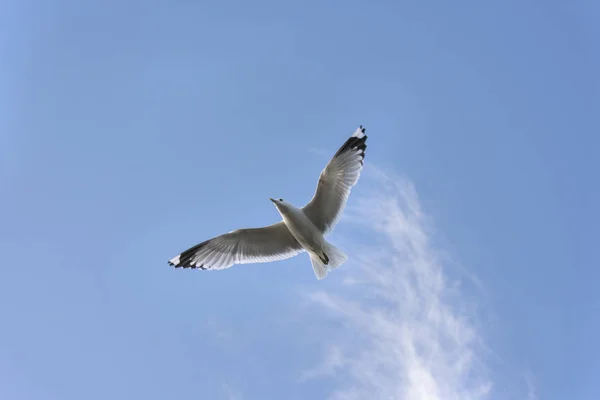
[[132, 130]]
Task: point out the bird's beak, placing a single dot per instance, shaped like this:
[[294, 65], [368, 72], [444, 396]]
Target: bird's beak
[[273, 200]]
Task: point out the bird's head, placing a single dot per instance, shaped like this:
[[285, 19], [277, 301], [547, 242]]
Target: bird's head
[[280, 204]]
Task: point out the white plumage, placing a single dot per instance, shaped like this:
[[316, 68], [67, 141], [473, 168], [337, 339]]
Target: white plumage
[[301, 229]]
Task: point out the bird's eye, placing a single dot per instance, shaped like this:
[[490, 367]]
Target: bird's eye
[[280, 199]]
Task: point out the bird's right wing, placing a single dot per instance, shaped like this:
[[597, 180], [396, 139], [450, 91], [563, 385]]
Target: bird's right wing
[[336, 181], [242, 246]]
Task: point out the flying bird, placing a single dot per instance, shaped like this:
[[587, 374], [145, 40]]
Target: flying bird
[[300, 230]]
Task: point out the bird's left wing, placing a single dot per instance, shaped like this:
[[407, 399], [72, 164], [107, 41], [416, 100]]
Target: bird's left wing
[[336, 181], [242, 246]]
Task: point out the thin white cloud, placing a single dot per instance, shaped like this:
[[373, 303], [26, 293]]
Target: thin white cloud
[[334, 359], [407, 331], [218, 331], [531, 392], [231, 393]]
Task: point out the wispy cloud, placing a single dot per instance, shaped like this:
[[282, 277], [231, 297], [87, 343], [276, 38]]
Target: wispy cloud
[[231, 393], [218, 331], [531, 392], [334, 359], [407, 331]]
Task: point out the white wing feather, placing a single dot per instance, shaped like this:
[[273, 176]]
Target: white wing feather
[[242, 246], [336, 181]]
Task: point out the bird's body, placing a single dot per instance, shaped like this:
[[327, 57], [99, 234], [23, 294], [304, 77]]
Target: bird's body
[[301, 229]]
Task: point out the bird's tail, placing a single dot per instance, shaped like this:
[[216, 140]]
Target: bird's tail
[[333, 256]]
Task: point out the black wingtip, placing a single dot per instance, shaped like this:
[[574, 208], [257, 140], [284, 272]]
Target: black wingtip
[[186, 257], [355, 143]]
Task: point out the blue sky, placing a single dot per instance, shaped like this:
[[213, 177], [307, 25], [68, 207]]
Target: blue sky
[[130, 131]]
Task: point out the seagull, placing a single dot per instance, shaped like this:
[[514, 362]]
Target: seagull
[[300, 230]]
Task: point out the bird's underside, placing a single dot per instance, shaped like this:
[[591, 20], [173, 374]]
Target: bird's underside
[[276, 242]]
